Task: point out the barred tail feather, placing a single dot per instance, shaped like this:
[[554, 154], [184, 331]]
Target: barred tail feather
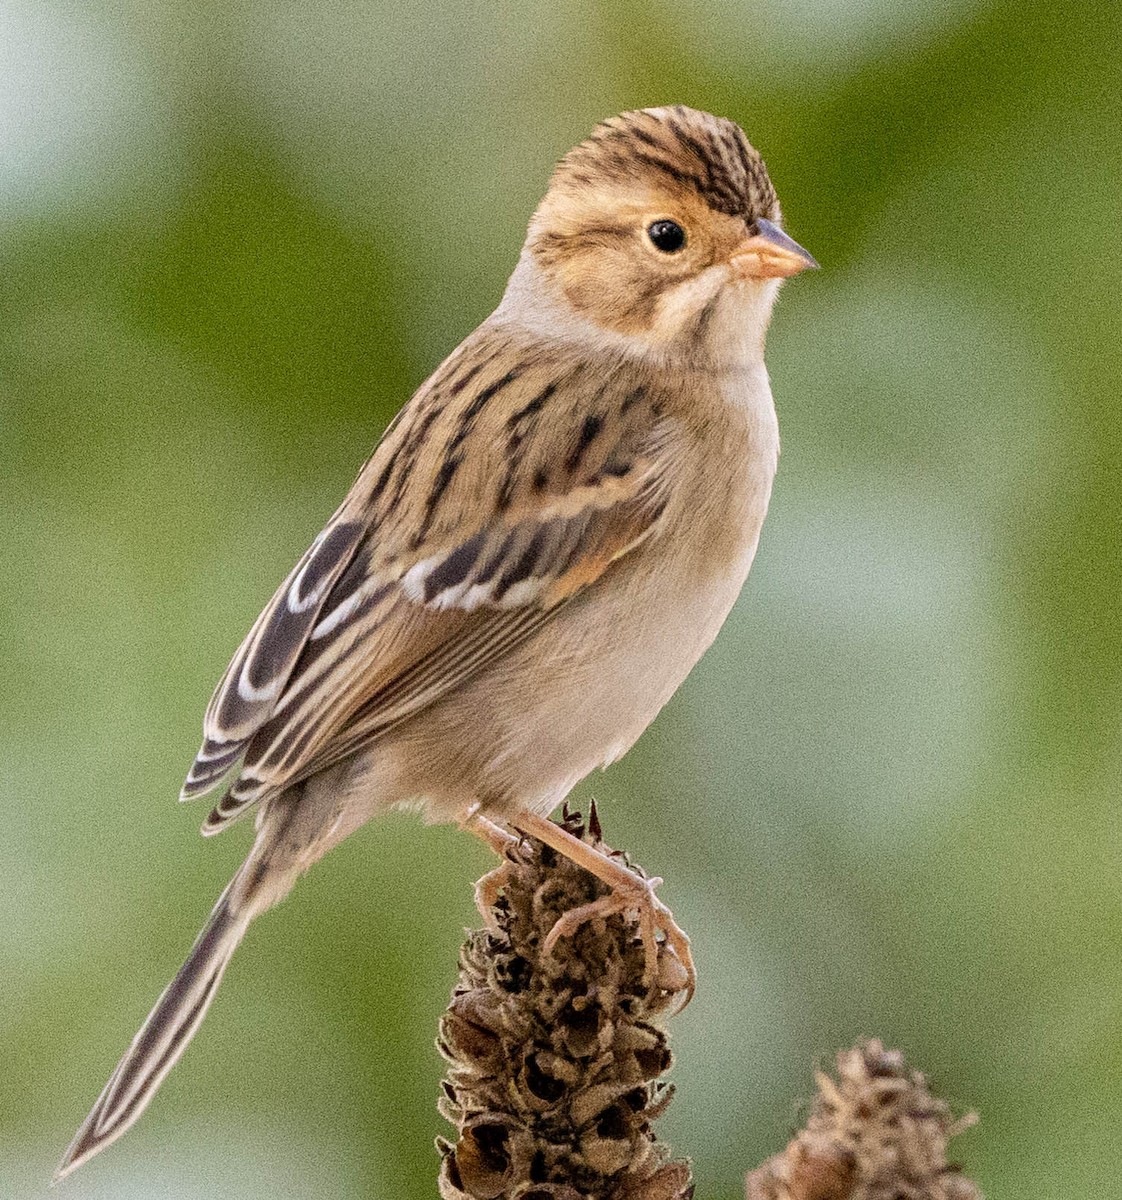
[[163, 1036]]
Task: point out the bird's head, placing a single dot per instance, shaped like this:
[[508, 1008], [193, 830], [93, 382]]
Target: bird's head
[[664, 228]]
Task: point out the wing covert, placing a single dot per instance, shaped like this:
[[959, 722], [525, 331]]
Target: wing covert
[[445, 619], [511, 482]]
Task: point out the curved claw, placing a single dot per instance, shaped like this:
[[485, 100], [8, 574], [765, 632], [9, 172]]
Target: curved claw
[[487, 889], [638, 894], [629, 891]]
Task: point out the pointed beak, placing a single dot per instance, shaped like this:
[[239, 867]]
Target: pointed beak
[[769, 254]]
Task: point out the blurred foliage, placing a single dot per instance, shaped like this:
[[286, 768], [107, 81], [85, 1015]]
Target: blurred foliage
[[234, 237]]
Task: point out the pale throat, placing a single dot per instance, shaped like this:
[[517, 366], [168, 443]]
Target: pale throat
[[707, 323]]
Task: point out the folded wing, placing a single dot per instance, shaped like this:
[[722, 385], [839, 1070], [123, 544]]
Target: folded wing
[[400, 600]]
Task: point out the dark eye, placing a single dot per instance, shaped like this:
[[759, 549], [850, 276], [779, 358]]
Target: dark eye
[[667, 236]]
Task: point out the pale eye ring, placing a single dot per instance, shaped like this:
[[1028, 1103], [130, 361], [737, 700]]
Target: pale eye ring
[[667, 236]]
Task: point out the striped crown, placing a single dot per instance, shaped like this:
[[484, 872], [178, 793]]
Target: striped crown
[[687, 149]]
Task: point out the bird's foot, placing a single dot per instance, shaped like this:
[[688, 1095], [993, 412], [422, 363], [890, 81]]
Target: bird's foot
[[487, 890], [488, 887], [674, 973], [668, 963]]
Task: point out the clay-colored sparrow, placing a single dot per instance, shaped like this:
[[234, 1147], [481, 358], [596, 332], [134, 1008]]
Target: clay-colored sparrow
[[542, 545]]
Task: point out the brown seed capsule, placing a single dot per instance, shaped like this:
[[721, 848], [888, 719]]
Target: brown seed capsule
[[554, 1061]]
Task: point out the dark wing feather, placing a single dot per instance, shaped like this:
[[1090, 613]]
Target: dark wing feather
[[400, 600], [517, 580], [248, 692], [447, 618]]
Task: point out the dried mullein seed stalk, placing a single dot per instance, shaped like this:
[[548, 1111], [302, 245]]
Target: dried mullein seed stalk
[[874, 1133], [554, 1061]]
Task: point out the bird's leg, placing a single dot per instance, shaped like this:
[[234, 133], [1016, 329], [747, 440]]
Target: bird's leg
[[499, 839], [488, 887], [630, 892]]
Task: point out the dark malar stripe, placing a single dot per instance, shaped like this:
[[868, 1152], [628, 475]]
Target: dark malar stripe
[[704, 318]]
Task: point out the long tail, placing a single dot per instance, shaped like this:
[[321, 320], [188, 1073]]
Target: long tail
[[165, 1034]]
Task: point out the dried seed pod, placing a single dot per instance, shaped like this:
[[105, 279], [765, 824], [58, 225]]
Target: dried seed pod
[[554, 1061], [874, 1133]]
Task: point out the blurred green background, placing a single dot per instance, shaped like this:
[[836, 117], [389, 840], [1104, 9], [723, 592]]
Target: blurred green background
[[234, 237]]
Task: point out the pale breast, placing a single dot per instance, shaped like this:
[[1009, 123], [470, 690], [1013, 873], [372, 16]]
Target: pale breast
[[580, 693]]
